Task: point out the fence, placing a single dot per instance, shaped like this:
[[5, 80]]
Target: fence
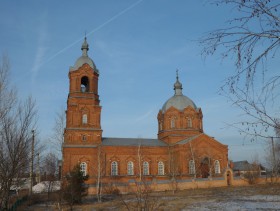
[[18, 203]]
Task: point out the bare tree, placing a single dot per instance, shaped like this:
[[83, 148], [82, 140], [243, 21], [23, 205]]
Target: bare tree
[[252, 171], [17, 120], [202, 165], [7, 95], [277, 149], [193, 157], [271, 163], [57, 137], [143, 196], [277, 145], [273, 154], [252, 39], [174, 169], [50, 167], [100, 172]]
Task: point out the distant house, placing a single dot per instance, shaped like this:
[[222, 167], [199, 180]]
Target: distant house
[[242, 167]]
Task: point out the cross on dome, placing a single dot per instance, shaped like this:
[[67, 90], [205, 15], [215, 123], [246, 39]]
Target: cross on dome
[[178, 86], [84, 47]]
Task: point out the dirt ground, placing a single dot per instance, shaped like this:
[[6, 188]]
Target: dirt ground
[[257, 197]]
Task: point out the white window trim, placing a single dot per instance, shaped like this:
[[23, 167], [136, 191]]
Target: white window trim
[[114, 168], [84, 119], [130, 168], [160, 168], [191, 167], [217, 167], [160, 125], [172, 123], [146, 167], [189, 122], [83, 168]]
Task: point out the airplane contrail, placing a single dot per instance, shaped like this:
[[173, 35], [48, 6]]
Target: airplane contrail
[[92, 31]]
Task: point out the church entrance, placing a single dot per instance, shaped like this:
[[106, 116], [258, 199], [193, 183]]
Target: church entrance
[[204, 168]]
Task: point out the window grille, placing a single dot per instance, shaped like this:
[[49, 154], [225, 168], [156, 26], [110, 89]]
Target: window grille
[[83, 168], [160, 168], [145, 168], [130, 168], [114, 168], [191, 167]]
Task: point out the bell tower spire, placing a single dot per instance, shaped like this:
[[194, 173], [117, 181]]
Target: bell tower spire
[[85, 47], [178, 86]]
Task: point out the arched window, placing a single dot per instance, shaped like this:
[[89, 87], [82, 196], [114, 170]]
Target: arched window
[[160, 168], [84, 84], [84, 120], [83, 168], [217, 167], [160, 125], [189, 122], [130, 168], [172, 123], [145, 168], [84, 137], [114, 168], [191, 167]]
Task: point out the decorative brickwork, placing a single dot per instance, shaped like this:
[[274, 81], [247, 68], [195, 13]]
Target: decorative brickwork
[[181, 151]]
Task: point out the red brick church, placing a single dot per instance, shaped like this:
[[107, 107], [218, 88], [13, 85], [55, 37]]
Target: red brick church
[[182, 150]]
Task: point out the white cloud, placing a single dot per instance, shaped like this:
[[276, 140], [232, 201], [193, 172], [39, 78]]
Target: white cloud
[[40, 53], [41, 48]]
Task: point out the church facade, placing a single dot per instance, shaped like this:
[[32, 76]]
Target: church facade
[[181, 151]]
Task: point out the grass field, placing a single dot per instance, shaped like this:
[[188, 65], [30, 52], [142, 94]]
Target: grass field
[[257, 197]]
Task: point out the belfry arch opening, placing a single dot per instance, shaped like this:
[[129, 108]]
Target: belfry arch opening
[[84, 84]]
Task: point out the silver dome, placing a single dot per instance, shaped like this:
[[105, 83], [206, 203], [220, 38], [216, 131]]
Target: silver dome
[[179, 102], [84, 59]]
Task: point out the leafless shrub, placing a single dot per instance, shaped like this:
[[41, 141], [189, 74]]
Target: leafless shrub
[[111, 189], [51, 168], [143, 198], [252, 172]]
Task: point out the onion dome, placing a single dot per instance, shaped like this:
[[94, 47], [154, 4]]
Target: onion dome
[[84, 59], [178, 101]]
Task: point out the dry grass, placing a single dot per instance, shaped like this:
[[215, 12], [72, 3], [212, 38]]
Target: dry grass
[[179, 201]]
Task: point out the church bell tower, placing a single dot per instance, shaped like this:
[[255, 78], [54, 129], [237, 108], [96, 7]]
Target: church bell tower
[[83, 105]]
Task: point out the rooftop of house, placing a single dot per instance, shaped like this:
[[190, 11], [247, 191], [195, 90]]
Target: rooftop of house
[[245, 166]]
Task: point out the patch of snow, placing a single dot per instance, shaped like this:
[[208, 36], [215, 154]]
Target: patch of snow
[[44, 186], [250, 203], [271, 198]]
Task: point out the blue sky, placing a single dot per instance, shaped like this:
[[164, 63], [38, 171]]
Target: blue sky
[[137, 47]]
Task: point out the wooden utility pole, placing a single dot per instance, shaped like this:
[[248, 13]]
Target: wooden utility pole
[[31, 162], [38, 168]]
